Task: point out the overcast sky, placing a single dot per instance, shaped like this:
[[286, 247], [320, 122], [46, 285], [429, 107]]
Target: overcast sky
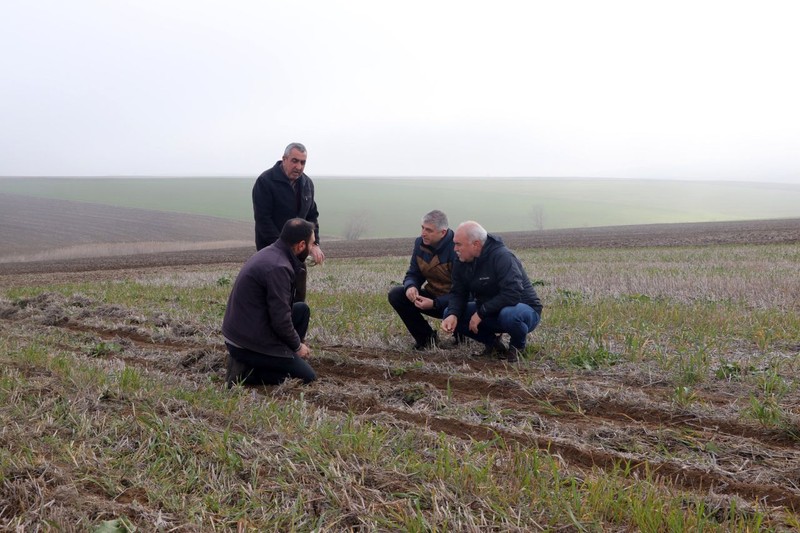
[[629, 89]]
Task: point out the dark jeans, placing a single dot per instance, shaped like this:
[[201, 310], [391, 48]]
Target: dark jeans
[[271, 370], [411, 315], [516, 320], [300, 282]]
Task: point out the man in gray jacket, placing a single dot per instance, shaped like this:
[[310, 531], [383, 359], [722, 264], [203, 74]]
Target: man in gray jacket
[[264, 330]]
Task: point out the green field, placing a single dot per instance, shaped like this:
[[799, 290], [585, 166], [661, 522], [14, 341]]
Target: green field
[[392, 207]]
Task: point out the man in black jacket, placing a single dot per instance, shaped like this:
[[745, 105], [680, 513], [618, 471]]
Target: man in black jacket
[[283, 192], [264, 328], [505, 300], [426, 286]]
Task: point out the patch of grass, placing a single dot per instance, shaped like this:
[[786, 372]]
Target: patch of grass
[[103, 349]]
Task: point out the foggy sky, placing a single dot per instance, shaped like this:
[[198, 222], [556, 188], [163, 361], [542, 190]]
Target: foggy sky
[[628, 89]]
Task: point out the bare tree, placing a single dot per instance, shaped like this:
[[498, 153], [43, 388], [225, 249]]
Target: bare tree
[[537, 217], [357, 225]]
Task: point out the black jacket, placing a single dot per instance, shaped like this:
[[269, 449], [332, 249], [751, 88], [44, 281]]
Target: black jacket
[[275, 202], [259, 312], [433, 268], [495, 279]]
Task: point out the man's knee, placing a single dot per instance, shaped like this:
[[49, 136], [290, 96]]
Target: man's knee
[[310, 377], [301, 310], [302, 370], [396, 296]]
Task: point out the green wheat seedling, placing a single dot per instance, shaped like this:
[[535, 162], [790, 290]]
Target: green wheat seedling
[[767, 412], [684, 395]]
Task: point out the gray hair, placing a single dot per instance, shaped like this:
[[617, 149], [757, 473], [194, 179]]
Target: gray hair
[[473, 231], [294, 146], [437, 218]]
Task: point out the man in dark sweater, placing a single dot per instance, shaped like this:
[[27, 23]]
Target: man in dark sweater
[[426, 286], [264, 327], [283, 192], [505, 300]]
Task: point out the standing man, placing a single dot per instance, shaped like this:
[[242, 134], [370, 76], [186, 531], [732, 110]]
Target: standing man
[[426, 286], [264, 330], [283, 192], [505, 300]]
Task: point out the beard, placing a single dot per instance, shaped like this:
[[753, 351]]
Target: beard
[[302, 256]]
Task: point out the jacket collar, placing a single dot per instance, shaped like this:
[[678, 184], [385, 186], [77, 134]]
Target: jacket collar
[[492, 242], [286, 249], [280, 176], [447, 241]]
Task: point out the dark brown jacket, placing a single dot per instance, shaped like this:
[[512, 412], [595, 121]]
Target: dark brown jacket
[[430, 268]]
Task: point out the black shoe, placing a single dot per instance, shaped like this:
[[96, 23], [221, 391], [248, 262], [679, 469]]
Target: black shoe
[[430, 343], [496, 348], [514, 354], [453, 342], [235, 373]]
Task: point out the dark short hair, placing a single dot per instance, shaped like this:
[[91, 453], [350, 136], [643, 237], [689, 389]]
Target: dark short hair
[[296, 230]]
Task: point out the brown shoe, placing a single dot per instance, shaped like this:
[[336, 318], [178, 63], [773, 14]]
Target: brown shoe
[[235, 373]]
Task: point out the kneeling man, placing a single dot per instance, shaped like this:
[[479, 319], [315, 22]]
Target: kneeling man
[[505, 300], [264, 327]]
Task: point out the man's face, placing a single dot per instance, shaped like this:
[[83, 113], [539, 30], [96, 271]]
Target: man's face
[[465, 250], [303, 254], [294, 164], [431, 235]]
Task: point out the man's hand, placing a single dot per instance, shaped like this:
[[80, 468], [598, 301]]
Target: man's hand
[[317, 254], [303, 351], [412, 294], [423, 303], [474, 322], [449, 324]]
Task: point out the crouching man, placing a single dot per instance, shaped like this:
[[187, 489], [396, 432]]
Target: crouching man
[[505, 300], [264, 328], [426, 286]]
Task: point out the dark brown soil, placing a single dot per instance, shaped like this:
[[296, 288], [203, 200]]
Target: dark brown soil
[[697, 234]]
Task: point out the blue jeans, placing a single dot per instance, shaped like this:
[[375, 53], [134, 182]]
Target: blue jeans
[[516, 320]]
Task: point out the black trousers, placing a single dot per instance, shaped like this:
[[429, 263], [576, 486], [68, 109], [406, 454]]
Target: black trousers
[[270, 370], [412, 316]]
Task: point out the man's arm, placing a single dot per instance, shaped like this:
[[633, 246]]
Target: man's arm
[[459, 292], [266, 232], [509, 281], [414, 277], [313, 216], [279, 307]]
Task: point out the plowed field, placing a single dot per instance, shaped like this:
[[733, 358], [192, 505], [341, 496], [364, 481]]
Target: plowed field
[[591, 420]]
